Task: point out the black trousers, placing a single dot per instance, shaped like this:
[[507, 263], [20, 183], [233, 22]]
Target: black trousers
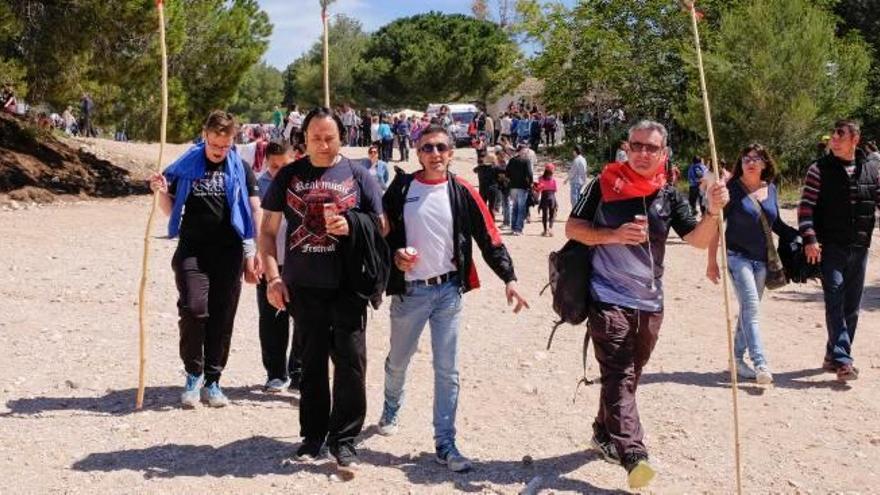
[[403, 144], [274, 335], [208, 281], [386, 150], [331, 324], [694, 199]]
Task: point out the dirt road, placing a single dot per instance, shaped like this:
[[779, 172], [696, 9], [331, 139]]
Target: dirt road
[[68, 330]]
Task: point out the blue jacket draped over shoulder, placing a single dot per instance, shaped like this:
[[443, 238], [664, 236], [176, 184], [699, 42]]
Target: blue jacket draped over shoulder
[[190, 167]]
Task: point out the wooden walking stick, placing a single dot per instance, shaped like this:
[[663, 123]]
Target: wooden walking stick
[[325, 21], [689, 4], [142, 298]]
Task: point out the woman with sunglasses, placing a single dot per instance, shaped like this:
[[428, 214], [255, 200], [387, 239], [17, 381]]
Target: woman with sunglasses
[[750, 185], [378, 168]]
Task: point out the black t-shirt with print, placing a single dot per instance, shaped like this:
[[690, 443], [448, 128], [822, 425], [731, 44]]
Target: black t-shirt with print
[[301, 190], [206, 216]]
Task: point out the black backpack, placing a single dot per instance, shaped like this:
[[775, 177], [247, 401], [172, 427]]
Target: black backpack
[[570, 269]]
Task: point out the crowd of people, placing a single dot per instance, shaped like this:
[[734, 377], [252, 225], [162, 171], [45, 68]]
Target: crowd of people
[[324, 236]]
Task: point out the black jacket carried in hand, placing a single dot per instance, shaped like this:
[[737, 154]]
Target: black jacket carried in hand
[[366, 259], [471, 220]]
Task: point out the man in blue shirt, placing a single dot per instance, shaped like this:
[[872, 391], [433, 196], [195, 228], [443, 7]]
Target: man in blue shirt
[[695, 175]]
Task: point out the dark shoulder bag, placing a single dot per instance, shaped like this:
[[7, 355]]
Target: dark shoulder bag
[[776, 278]]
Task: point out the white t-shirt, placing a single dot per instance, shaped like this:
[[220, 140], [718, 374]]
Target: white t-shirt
[[427, 216], [505, 125], [296, 119]]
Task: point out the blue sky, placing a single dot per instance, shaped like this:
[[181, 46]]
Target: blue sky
[[298, 22]]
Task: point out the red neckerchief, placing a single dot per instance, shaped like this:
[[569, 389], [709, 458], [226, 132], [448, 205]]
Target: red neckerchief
[[619, 182]]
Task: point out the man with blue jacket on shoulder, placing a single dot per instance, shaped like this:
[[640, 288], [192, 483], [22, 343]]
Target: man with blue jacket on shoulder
[[213, 203]]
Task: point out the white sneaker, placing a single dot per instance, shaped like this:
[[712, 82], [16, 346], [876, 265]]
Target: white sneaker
[[213, 395], [763, 375], [190, 396], [276, 386], [388, 426], [743, 370]]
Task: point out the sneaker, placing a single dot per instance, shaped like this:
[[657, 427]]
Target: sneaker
[[275, 386], [639, 470], [309, 450], [847, 372], [829, 365], [388, 425], [345, 454], [763, 375], [607, 449], [190, 396], [450, 457], [743, 370], [214, 396]]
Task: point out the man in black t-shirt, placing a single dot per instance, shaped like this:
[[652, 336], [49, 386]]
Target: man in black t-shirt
[[316, 195], [216, 231]]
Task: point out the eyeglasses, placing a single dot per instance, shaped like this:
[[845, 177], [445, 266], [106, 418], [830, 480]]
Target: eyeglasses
[[216, 147], [432, 147], [752, 159], [652, 149]]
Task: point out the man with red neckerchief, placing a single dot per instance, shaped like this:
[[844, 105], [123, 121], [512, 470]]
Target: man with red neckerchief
[[625, 216]]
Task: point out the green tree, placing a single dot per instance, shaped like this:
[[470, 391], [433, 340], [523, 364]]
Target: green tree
[[115, 56], [860, 16], [260, 91], [438, 57], [305, 86], [606, 54], [778, 75], [11, 71]]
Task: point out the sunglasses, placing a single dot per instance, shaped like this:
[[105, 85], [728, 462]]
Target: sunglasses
[[752, 159], [840, 132], [432, 147], [637, 147]]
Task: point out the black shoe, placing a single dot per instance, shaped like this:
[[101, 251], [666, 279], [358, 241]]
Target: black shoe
[[639, 471], [345, 454], [309, 450], [607, 449]]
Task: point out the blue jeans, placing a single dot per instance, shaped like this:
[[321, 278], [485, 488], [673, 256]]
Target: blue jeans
[[748, 281], [505, 208], [518, 198], [575, 193], [843, 280], [441, 307]]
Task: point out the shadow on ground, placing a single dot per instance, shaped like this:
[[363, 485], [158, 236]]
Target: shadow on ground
[[870, 297], [259, 455], [121, 402], [798, 380]]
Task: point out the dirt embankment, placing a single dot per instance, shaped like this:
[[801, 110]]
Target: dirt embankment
[[36, 167]]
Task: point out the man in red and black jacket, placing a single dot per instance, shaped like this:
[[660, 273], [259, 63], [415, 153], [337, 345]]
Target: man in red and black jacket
[[434, 216]]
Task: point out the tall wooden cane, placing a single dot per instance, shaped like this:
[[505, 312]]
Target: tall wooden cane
[[689, 4], [325, 21], [142, 298]]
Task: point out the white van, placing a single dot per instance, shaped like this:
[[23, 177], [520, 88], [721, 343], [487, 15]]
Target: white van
[[462, 115]]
